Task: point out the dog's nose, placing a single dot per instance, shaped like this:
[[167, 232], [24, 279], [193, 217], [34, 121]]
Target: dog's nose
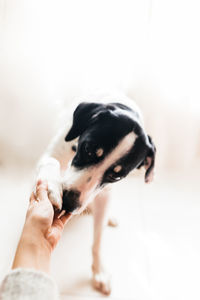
[[70, 200]]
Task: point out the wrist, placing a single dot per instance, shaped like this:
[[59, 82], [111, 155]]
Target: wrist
[[33, 252], [36, 237]]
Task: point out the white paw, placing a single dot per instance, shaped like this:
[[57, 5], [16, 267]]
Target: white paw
[[55, 194], [101, 282]]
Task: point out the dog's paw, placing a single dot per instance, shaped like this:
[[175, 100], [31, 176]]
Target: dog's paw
[[101, 282], [55, 194], [113, 222]]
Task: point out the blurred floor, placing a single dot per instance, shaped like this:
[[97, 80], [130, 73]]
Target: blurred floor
[[153, 254]]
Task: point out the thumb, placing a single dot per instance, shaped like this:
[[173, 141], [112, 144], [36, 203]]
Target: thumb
[[41, 190]]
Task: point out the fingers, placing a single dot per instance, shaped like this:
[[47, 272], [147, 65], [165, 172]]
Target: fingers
[[63, 218], [54, 233], [40, 193], [58, 224], [62, 213], [41, 190], [57, 227], [66, 218], [32, 198]]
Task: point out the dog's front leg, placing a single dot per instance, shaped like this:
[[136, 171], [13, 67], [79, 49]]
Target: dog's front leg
[[49, 170], [101, 280], [52, 165]]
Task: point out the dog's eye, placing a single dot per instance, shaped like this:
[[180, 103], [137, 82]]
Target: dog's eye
[[99, 152], [112, 178], [74, 148]]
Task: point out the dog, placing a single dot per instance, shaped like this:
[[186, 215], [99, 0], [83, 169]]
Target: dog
[[102, 144]]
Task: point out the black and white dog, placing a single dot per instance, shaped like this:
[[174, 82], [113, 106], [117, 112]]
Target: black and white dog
[[103, 143]]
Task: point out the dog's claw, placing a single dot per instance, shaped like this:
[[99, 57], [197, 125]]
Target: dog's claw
[[55, 198]]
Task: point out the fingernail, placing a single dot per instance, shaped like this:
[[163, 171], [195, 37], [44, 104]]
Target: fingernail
[[61, 214]]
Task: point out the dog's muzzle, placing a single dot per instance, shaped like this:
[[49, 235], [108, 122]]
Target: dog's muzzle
[[70, 200]]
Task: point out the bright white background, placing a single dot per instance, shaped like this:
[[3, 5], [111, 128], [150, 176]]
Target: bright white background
[[51, 51]]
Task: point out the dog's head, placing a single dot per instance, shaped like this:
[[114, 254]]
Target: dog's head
[[111, 143]]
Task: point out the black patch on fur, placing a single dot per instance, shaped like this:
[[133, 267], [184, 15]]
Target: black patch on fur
[[81, 119], [88, 113], [100, 126], [70, 200], [124, 107]]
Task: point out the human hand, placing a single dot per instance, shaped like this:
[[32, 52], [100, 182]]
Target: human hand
[[41, 217], [41, 233]]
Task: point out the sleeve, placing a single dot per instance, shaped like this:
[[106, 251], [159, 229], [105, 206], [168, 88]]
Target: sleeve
[[28, 284]]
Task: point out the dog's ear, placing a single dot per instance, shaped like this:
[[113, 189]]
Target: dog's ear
[[149, 161], [81, 119]]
